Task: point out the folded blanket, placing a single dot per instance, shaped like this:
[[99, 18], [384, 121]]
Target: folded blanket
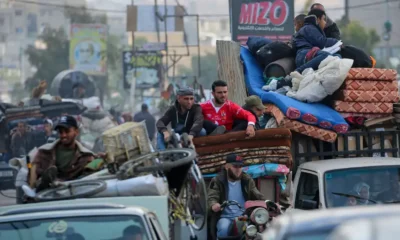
[[367, 96], [377, 74], [362, 107], [364, 85]]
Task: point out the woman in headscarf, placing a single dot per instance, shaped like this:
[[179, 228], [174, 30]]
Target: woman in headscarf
[[362, 189]]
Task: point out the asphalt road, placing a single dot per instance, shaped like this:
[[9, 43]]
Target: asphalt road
[[5, 201]]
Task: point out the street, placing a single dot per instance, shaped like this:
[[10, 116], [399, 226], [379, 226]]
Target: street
[[5, 201]]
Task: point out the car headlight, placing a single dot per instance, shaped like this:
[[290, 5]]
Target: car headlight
[[251, 230], [259, 216]]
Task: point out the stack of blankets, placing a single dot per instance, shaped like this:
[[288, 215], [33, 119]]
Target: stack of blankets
[[268, 146], [367, 92]]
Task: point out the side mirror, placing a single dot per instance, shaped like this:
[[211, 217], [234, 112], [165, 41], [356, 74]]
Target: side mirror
[[309, 204]]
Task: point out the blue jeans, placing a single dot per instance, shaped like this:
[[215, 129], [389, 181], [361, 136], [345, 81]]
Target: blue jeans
[[161, 142], [223, 227], [313, 63]]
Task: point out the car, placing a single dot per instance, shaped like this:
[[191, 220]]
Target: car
[[79, 221], [330, 183], [373, 228], [319, 224]]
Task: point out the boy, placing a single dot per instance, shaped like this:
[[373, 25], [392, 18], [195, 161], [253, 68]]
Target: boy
[[299, 22], [309, 41]]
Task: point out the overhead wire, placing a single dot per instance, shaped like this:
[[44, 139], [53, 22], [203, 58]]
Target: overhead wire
[[201, 15]]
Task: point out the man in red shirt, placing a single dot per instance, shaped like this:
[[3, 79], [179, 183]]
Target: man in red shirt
[[219, 111]]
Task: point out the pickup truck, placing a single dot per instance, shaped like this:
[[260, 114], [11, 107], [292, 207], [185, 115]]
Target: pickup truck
[[332, 183]]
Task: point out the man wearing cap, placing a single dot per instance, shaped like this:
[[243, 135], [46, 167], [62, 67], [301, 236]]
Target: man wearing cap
[[184, 116], [230, 184], [254, 105], [64, 159]]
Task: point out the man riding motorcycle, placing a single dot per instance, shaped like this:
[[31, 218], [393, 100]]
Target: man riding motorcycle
[[230, 184], [65, 159]]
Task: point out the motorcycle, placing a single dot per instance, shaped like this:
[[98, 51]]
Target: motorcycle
[[255, 219]]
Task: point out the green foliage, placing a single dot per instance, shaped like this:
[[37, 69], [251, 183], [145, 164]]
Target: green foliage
[[50, 61], [208, 69], [357, 35], [81, 15]]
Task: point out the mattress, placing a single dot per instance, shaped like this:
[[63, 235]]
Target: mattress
[[367, 96], [262, 170], [366, 115], [364, 85], [360, 107], [310, 113], [377, 74], [308, 130]]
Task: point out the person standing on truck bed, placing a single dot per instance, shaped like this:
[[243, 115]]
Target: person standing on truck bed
[[219, 111], [331, 30]]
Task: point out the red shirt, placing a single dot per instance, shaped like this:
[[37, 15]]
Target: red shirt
[[226, 114]]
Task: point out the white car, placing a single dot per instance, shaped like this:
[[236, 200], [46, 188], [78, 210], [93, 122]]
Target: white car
[[79, 221]]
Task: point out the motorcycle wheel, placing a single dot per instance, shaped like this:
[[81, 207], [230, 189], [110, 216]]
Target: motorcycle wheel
[[71, 191]]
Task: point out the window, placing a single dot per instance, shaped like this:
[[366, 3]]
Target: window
[[18, 12], [307, 196], [155, 225]]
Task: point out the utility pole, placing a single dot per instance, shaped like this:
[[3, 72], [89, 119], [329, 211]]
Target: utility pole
[[388, 29], [346, 11], [133, 33]]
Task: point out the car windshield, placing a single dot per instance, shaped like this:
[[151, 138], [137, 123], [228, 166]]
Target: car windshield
[[310, 236], [362, 186], [76, 228]]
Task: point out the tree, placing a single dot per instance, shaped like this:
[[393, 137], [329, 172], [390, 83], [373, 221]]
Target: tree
[[208, 69], [357, 35], [307, 6], [50, 60]]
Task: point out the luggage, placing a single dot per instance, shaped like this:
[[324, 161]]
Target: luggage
[[255, 43], [273, 52], [361, 59]]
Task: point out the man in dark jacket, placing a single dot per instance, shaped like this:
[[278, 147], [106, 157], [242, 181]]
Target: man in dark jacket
[[144, 115], [331, 30], [310, 40], [185, 117], [230, 184], [254, 105]]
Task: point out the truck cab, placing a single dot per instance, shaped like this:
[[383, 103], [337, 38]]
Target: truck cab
[[343, 182]]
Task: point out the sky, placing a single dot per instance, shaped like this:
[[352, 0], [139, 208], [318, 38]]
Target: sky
[[217, 6]]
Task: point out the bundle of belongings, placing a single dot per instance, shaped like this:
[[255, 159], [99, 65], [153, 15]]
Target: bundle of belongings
[[315, 120], [299, 98], [268, 146], [367, 93]]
